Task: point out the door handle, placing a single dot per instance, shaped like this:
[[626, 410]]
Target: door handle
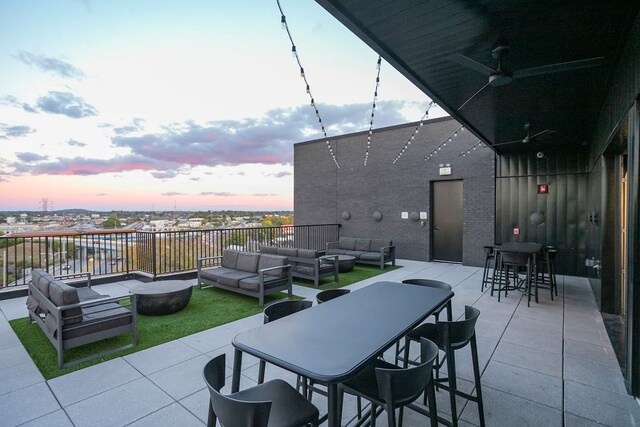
[[436, 229]]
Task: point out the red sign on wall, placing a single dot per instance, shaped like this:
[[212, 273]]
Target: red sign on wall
[[543, 188]]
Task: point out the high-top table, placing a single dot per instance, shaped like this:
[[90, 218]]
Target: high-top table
[[529, 248], [331, 342]]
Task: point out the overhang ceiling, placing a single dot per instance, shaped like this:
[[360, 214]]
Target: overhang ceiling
[[419, 38]]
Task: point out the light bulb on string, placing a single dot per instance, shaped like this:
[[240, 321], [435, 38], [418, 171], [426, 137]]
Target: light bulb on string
[[293, 50], [283, 22]]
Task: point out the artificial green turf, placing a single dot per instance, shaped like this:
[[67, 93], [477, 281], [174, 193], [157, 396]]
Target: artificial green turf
[[359, 272], [208, 308]]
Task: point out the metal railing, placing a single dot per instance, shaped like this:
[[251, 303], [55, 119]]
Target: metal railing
[[117, 252]]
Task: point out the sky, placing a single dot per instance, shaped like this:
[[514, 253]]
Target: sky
[[186, 105]]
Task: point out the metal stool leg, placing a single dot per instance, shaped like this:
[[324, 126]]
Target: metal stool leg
[[476, 374]]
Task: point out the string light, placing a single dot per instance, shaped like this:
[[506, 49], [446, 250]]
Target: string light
[[373, 108], [476, 145], [294, 52], [415, 131], [444, 142]]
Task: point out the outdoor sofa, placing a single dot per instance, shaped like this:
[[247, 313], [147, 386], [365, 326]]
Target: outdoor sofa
[[71, 317], [366, 251], [247, 273], [307, 264]]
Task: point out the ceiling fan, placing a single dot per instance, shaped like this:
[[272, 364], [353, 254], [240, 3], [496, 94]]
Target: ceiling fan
[[501, 76], [528, 138]]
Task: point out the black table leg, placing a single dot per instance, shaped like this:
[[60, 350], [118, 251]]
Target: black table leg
[[237, 368], [332, 405]]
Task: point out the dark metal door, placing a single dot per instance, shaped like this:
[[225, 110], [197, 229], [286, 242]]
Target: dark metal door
[[446, 232]]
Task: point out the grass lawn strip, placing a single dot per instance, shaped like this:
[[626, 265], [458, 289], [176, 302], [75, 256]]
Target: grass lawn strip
[[359, 273], [207, 309]]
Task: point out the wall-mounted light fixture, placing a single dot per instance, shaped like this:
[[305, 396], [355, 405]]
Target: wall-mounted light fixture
[[536, 218]]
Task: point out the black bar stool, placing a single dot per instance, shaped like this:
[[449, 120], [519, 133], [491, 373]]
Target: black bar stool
[[436, 313], [450, 337], [509, 266], [330, 294], [547, 269], [276, 311], [489, 252]]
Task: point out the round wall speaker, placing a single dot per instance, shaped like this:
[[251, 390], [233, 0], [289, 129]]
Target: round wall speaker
[[346, 215], [377, 216]]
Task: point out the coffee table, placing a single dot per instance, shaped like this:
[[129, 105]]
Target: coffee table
[[346, 263], [160, 298]]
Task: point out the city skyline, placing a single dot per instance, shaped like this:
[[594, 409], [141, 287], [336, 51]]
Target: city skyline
[[119, 105]]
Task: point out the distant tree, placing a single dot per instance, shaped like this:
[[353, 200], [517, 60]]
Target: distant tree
[[237, 238], [111, 222]]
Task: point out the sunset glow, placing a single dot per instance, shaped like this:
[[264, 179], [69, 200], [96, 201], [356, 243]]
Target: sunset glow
[[187, 105]]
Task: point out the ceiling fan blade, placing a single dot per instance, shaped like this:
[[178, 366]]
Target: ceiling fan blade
[[505, 143], [473, 96], [559, 67], [472, 64], [544, 132]]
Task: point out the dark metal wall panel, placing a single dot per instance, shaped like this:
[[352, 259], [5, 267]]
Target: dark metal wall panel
[[564, 207], [623, 89], [594, 233]]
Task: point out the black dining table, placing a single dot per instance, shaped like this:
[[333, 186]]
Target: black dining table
[[331, 342]]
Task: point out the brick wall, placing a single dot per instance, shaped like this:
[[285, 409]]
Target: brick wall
[[322, 192]]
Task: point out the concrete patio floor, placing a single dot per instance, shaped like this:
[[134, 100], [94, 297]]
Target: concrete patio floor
[[550, 364]]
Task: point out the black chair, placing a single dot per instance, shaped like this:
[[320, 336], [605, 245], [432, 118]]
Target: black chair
[[390, 387], [330, 294], [507, 273], [429, 284], [489, 254], [274, 403], [276, 311], [450, 337]]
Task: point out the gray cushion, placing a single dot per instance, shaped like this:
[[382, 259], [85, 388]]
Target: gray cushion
[[253, 283], [354, 253], [63, 294], [268, 261], [268, 249], [34, 305], [248, 261], [232, 279], [100, 318], [304, 269], [336, 251], [213, 273], [86, 294], [363, 245], [289, 252], [41, 279], [230, 258], [370, 256], [308, 253], [376, 244], [348, 243]]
